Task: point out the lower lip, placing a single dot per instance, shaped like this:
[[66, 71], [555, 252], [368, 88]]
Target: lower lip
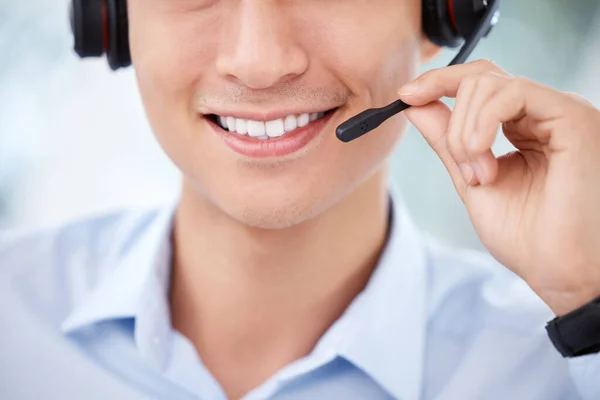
[[284, 145]]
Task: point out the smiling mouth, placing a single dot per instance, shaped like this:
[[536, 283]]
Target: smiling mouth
[[265, 130]]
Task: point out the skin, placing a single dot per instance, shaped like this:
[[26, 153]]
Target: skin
[[268, 253], [194, 56], [290, 241], [537, 210]]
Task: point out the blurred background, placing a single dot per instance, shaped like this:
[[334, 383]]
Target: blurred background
[[74, 139]]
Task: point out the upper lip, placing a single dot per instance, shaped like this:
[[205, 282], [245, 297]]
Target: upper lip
[[265, 116]]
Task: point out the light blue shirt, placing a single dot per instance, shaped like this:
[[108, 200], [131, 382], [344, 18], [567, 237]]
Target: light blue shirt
[[84, 315]]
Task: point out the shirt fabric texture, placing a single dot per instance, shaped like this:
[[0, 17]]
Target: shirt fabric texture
[[84, 314]]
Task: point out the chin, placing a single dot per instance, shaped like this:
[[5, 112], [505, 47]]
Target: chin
[[278, 192], [274, 218], [275, 213]]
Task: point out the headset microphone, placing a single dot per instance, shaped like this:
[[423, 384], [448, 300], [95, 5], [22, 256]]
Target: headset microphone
[[368, 120]]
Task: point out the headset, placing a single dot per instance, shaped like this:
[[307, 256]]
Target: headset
[[101, 27]]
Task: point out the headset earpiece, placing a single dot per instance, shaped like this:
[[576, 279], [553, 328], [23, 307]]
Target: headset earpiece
[[87, 25], [100, 27], [118, 50], [448, 23]]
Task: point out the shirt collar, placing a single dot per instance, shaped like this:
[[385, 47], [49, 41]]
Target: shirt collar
[[382, 332], [134, 284], [386, 324]]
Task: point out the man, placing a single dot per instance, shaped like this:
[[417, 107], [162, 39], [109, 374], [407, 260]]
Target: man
[[288, 269]]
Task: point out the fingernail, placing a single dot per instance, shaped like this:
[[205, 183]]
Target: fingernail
[[467, 172], [478, 172], [409, 89]]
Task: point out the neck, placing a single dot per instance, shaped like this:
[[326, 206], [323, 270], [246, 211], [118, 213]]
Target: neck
[[253, 300]]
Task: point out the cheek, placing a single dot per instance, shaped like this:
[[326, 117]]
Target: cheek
[[376, 79], [372, 52], [171, 50], [359, 159], [169, 65], [174, 55]]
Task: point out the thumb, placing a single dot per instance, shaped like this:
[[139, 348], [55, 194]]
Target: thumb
[[432, 121]]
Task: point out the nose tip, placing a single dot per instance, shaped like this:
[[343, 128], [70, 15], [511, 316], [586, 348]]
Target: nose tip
[[261, 50], [263, 72]]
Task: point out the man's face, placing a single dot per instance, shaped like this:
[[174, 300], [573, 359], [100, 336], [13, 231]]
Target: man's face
[[258, 61]]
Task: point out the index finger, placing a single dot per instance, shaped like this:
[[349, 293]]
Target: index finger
[[444, 82]]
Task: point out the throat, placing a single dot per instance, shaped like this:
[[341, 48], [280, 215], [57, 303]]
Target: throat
[[266, 327], [253, 302]]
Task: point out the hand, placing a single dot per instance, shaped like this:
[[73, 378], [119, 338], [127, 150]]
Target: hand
[[537, 210]]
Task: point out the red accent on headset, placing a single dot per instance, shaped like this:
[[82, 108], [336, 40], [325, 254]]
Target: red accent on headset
[[105, 36], [452, 15]]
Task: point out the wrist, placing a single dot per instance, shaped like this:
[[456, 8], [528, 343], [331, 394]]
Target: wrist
[[567, 297], [565, 303]]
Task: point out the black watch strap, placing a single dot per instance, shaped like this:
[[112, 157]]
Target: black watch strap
[[578, 332]]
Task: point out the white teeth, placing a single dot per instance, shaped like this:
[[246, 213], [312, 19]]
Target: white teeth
[[275, 128], [231, 124], [241, 126], [223, 121], [256, 128], [303, 120], [291, 123], [270, 129]]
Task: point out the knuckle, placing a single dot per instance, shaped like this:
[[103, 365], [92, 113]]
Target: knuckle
[[488, 78], [522, 81], [490, 65], [454, 144], [499, 76], [579, 99], [574, 96], [519, 85], [585, 113], [482, 79]]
